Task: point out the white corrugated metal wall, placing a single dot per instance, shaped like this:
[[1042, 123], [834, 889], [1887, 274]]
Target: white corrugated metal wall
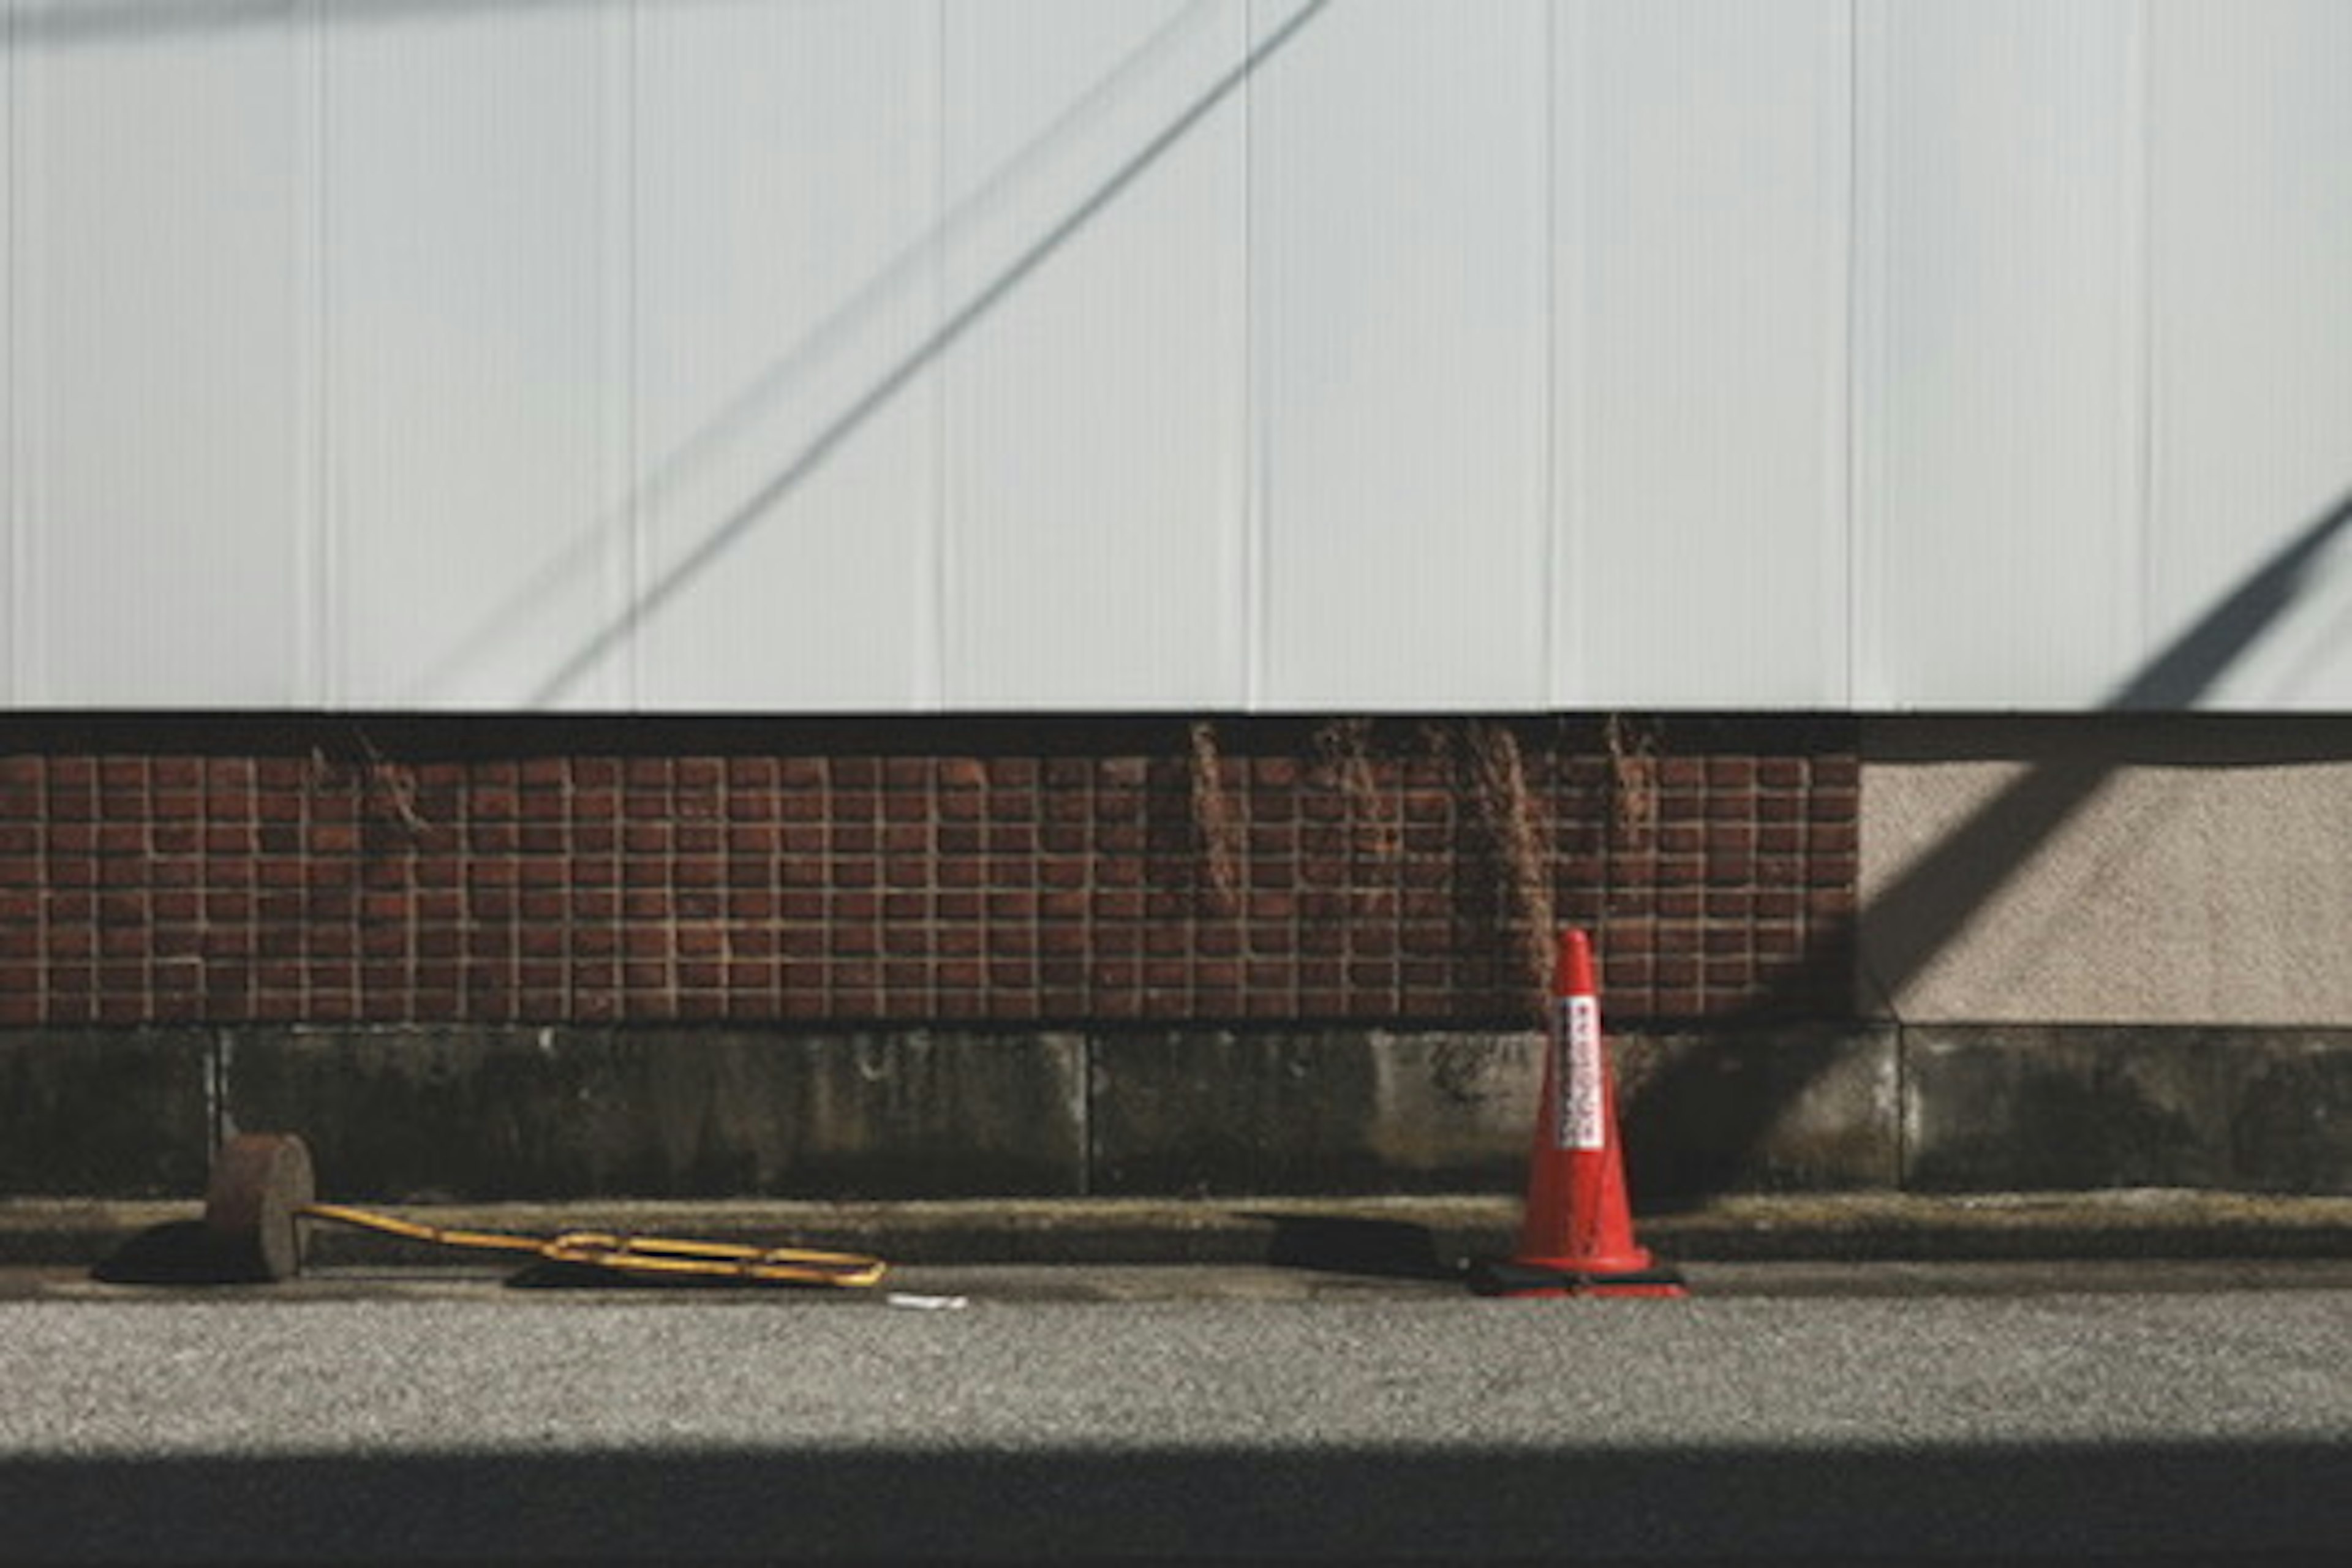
[[1273, 355]]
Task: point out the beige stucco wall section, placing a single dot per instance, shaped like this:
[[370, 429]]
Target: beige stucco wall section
[[2173, 869]]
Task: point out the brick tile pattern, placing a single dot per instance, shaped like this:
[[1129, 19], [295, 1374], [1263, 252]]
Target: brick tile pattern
[[336, 871]]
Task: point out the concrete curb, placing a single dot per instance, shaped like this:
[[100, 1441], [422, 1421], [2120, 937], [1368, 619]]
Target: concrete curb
[[1374, 1234]]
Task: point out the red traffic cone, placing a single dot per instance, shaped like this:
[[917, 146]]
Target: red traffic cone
[[1577, 1238]]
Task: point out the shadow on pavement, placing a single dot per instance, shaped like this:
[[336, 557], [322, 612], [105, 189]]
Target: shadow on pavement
[[1337, 1244], [179, 1252], [2274, 1503]]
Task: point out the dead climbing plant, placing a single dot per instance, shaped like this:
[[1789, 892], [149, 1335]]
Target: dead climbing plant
[[1632, 755], [1212, 816], [384, 789], [1522, 844], [1344, 747]]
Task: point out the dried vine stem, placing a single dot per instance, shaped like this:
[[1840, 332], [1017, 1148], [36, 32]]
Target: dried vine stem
[[1345, 746], [382, 787], [1212, 817], [1632, 779], [1523, 846], [393, 785]]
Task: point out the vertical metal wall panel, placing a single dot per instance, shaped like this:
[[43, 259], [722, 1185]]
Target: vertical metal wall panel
[[11, 612], [789, 288], [1702, 190], [154, 364], [1399, 295], [1095, 429], [2251, 575], [471, 503], [777, 356], [2001, 383]]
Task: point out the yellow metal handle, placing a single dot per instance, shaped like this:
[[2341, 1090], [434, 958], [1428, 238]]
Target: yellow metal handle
[[364, 1219], [715, 1259], [633, 1254]]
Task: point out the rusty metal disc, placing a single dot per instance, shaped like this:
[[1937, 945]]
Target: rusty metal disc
[[260, 1184]]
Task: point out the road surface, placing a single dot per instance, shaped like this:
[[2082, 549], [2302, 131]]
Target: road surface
[[1979, 1415]]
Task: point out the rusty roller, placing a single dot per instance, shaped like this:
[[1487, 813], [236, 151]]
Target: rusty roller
[[263, 1189]]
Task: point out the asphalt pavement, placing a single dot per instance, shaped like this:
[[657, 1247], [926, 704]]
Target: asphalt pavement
[[2027, 1410]]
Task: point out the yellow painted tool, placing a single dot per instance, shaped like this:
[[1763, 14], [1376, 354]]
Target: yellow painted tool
[[263, 1189]]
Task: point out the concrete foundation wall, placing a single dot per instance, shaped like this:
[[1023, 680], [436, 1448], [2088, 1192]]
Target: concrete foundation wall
[[423, 1113], [2107, 869]]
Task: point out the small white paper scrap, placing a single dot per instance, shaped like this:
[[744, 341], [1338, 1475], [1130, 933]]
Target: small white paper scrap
[[928, 1303]]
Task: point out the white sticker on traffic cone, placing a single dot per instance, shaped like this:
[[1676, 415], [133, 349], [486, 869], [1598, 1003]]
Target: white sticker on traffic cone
[[1580, 1124]]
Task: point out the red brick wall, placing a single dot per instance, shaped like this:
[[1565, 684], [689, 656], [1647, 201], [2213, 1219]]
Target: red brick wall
[[182, 871]]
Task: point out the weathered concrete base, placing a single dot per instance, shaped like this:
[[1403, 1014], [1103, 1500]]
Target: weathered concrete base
[[113, 1113], [1205, 1112], [534, 1113], [2025, 1108], [1795, 1110], [489, 1115]]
